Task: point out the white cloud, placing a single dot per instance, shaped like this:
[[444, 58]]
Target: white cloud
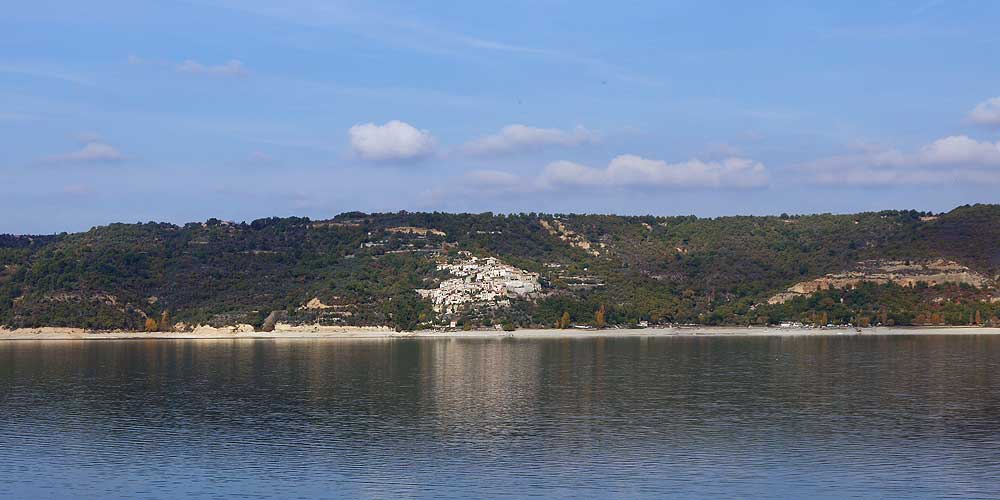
[[232, 68], [986, 113], [394, 141], [636, 172], [950, 159], [959, 150], [518, 138], [91, 152], [625, 172]]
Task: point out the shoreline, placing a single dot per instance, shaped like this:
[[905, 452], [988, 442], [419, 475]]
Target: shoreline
[[50, 333]]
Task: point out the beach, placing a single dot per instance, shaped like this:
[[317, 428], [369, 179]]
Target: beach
[[52, 333]]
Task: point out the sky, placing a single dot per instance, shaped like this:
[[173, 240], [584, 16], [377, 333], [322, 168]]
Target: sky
[[127, 111]]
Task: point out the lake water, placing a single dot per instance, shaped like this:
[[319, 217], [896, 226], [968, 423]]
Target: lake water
[[721, 417]]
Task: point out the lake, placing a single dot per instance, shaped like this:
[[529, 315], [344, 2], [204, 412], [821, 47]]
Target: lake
[[721, 417]]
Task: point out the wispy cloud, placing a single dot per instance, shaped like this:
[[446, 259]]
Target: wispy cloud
[[412, 34], [91, 152], [232, 68], [944, 161], [520, 138], [47, 72], [18, 117], [260, 157], [481, 184], [889, 31]]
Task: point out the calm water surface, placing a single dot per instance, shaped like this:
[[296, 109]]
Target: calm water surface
[[831, 417]]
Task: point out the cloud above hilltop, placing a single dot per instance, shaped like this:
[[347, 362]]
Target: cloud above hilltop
[[632, 171], [519, 138], [628, 173], [956, 158], [392, 142]]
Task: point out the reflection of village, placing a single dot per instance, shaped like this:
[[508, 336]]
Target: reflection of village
[[474, 396], [488, 386], [469, 385], [472, 384]]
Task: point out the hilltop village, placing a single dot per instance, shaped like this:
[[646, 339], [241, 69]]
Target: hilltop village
[[480, 282]]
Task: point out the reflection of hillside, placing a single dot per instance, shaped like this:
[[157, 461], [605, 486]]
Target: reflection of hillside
[[632, 389]]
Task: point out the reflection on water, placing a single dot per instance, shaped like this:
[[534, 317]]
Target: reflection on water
[[826, 417]]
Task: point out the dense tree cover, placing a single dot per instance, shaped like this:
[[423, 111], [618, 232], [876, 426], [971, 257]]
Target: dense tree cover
[[364, 268]]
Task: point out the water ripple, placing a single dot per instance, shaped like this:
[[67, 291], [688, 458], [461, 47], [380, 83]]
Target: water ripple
[[889, 417]]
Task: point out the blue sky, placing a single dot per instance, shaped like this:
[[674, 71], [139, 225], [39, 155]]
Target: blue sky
[[239, 109]]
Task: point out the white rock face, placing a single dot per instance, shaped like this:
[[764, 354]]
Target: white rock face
[[243, 328], [315, 303], [903, 273], [480, 283]]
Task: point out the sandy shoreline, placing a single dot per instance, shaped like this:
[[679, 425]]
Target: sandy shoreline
[[375, 333]]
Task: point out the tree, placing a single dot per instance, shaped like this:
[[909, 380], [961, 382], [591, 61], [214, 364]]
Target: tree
[[405, 311], [151, 325], [165, 325], [979, 317], [564, 320], [599, 317]]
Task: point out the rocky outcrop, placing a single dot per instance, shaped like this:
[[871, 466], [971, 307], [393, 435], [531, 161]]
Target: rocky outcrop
[[422, 231], [903, 273], [559, 230], [315, 303], [271, 320]]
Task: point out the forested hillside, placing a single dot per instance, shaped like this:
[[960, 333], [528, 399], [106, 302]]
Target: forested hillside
[[366, 269]]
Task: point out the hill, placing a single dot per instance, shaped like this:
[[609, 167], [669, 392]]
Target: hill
[[421, 269]]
